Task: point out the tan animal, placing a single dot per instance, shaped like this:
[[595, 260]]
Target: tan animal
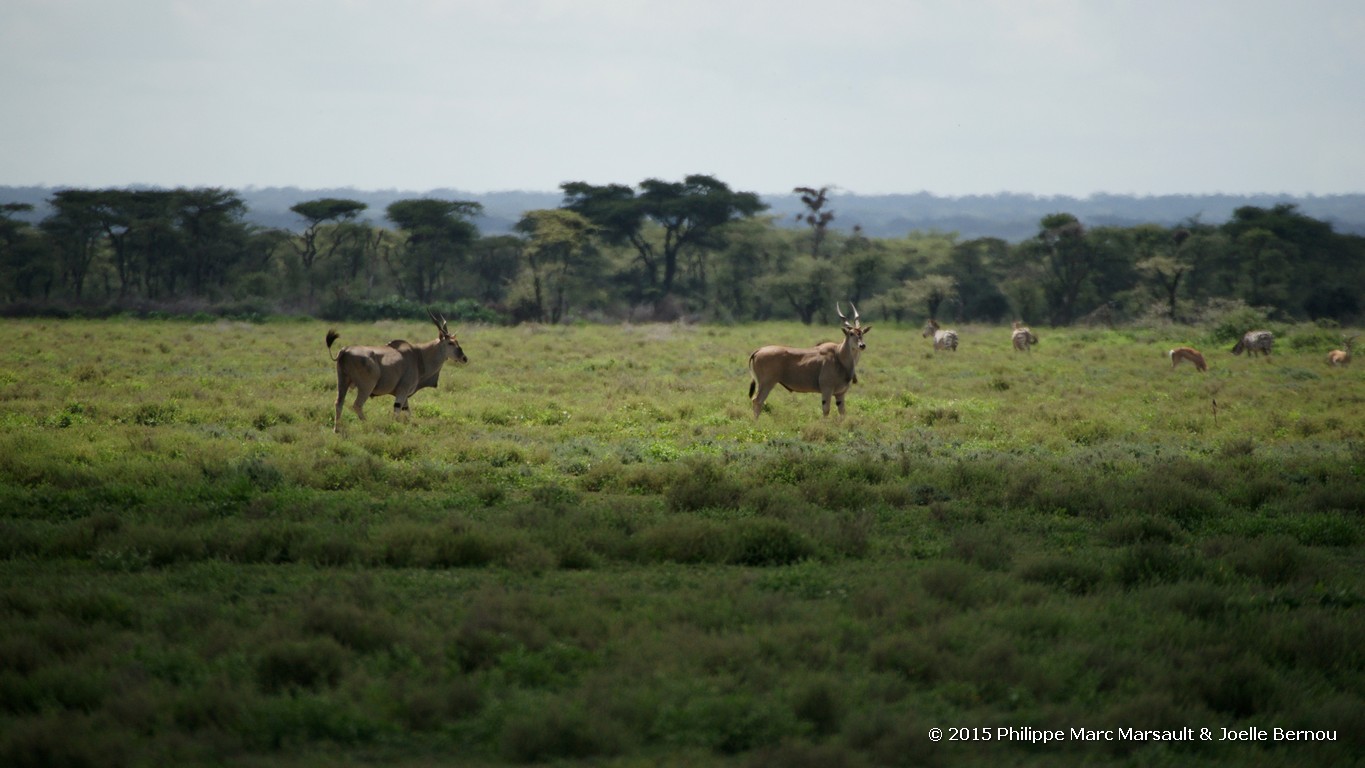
[[1022, 338], [1188, 353], [397, 369], [943, 338], [828, 368], [1342, 356]]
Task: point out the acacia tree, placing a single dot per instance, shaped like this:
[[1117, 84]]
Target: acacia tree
[[75, 232], [1163, 263], [25, 269], [807, 284], [317, 213], [690, 214], [930, 291], [559, 258], [437, 234], [215, 237], [815, 215], [974, 267], [1067, 261]]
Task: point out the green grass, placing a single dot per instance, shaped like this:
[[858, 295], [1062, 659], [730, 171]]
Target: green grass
[[584, 550]]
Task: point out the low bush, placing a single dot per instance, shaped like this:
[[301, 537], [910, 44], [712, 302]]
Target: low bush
[[312, 664], [1068, 574]]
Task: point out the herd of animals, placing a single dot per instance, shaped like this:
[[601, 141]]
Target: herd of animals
[[400, 369]]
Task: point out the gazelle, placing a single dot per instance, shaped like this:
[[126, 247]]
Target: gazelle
[[1342, 356], [1188, 353]]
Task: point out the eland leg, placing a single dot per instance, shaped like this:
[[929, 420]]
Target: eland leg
[[760, 396], [342, 386], [362, 393]]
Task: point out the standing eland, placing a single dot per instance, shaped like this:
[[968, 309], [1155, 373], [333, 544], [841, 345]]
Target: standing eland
[[828, 368], [397, 369]]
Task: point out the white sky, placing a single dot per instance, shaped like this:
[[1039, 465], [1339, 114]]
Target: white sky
[[871, 96]]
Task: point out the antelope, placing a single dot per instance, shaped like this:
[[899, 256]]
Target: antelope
[[1187, 353], [1022, 338], [943, 339], [1342, 356], [397, 369], [829, 368], [1253, 342]]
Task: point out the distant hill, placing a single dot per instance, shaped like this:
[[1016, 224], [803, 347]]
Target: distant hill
[[1009, 216]]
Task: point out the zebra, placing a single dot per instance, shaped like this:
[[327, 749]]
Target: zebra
[[1255, 342], [1022, 338], [943, 339]]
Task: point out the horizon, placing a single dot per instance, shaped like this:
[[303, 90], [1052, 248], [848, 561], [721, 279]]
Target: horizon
[[835, 191]]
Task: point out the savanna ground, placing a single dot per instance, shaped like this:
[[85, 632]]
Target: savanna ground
[[585, 550]]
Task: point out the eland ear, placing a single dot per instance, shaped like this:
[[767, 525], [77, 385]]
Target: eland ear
[[866, 328]]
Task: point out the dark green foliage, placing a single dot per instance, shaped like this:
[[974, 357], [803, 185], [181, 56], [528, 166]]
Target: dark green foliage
[[546, 730], [768, 542], [300, 664], [1065, 573], [1152, 563], [703, 485]]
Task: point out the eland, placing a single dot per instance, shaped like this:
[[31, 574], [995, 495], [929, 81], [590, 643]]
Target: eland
[[397, 369], [829, 368]]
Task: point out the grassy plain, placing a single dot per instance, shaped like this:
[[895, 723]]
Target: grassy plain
[[584, 550]]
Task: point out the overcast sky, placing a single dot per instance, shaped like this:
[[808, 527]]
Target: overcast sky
[[971, 97]]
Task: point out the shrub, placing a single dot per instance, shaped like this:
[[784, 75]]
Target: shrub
[[1064, 572], [59, 739], [302, 664], [907, 655], [985, 547], [1231, 319], [685, 540], [763, 541], [953, 583], [1149, 563], [428, 705], [1272, 560], [156, 414], [1134, 529], [470, 549], [704, 485], [818, 704], [1240, 687], [351, 626], [552, 730]]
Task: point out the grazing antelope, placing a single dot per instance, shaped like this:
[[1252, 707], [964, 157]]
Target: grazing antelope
[[1188, 353], [1253, 342], [1342, 356], [828, 368], [1022, 338], [943, 339], [397, 369]]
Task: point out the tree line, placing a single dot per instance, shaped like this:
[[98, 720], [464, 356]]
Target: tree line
[[658, 249]]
